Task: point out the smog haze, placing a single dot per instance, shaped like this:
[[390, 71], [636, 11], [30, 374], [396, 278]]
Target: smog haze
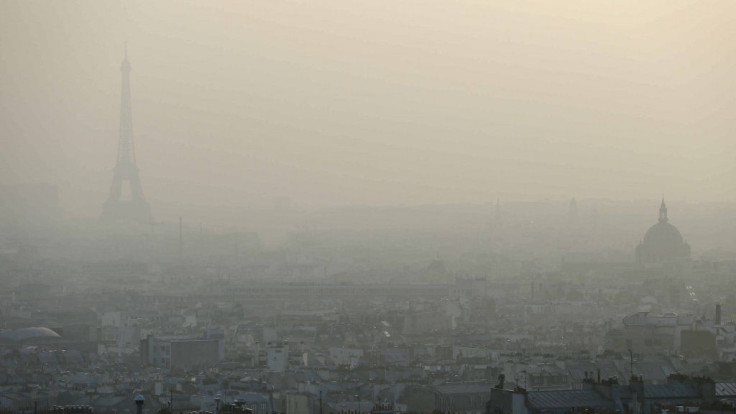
[[372, 102]]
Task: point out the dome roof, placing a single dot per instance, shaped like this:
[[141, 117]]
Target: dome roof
[[25, 334], [663, 233]]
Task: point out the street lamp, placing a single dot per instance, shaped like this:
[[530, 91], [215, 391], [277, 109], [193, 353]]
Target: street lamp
[[218, 398], [139, 400]]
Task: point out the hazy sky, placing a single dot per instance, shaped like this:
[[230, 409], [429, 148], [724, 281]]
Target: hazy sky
[[373, 101]]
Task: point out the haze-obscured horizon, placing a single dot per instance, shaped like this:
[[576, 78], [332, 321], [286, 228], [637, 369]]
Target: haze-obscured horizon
[[376, 102]]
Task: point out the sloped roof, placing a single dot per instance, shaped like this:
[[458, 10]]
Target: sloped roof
[[726, 389], [675, 390], [568, 398]]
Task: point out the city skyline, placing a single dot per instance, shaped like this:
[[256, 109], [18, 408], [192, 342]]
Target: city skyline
[[367, 207]]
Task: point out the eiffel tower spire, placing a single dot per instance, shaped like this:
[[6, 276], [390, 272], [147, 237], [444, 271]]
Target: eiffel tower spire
[[126, 200]]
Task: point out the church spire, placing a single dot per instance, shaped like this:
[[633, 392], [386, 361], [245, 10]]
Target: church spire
[[662, 212]]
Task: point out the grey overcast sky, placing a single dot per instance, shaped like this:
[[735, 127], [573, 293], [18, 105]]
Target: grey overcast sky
[[372, 102]]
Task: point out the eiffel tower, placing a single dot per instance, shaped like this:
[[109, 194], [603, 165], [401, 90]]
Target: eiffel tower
[[126, 201]]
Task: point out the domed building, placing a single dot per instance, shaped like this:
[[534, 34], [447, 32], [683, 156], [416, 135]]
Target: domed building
[[29, 335], [662, 242]]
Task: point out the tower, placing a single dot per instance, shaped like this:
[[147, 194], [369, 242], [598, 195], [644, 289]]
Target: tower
[[126, 201]]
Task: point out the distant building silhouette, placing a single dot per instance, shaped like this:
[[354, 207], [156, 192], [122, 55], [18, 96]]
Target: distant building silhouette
[[662, 242], [126, 201]]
